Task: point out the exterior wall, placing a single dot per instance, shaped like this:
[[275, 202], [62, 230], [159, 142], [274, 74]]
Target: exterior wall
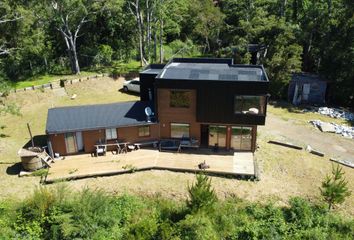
[[131, 134], [215, 99], [58, 143], [168, 115], [90, 138]]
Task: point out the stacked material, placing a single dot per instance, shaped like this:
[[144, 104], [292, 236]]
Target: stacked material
[[336, 113], [344, 130]]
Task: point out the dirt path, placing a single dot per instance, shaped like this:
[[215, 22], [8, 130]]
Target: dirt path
[[331, 144]]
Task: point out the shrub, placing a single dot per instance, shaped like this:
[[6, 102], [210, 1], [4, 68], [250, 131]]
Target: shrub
[[334, 188], [201, 194], [195, 227]]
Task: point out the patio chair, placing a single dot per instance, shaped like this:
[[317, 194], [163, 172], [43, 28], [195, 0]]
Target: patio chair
[[100, 150]]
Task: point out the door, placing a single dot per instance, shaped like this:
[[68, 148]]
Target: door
[[217, 135], [79, 141], [306, 91], [204, 133], [70, 143], [241, 138]]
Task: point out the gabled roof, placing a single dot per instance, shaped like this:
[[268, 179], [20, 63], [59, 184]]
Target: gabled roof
[[211, 69], [99, 116]]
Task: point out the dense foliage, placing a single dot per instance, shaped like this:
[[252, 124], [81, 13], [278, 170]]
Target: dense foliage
[[94, 215], [58, 213], [45, 36]]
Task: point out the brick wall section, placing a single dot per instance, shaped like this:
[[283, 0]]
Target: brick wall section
[[90, 138], [58, 143], [168, 115], [130, 134]]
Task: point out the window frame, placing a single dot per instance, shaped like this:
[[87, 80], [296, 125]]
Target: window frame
[[145, 126], [185, 91], [111, 137], [181, 124], [244, 112]]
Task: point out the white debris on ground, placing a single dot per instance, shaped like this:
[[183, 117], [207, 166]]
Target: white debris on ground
[[333, 112], [344, 130]]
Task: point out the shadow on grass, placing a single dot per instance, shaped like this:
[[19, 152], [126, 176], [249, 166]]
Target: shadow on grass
[[14, 169]]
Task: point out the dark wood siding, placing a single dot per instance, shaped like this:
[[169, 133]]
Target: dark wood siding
[[215, 99], [146, 83]]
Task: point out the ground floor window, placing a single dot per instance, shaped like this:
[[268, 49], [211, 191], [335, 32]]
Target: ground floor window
[[111, 133], [179, 130], [217, 135], [241, 138], [144, 131]]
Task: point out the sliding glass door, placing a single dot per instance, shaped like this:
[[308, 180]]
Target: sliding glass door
[[241, 138], [217, 135]]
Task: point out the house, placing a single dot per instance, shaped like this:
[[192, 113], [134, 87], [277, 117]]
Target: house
[[212, 101], [305, 88]]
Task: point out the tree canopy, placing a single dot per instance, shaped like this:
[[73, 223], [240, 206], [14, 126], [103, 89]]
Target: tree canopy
[[40, 37]]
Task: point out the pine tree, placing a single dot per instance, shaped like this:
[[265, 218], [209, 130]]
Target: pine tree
[[202, 195], [334, 188]]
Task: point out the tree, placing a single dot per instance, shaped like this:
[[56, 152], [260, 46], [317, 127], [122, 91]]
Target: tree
[[334, 188], [201, 195], [70, 16]]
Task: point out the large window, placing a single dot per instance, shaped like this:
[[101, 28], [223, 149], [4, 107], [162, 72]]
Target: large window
[[179, 130], [217, 135], [111, 133], [144, 131], [249, 104], [179, 99], [241, 138]]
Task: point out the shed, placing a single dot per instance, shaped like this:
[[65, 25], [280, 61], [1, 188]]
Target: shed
[[307, 88]]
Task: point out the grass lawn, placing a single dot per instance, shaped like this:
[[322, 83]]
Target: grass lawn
[[290, 112], [121, 67]]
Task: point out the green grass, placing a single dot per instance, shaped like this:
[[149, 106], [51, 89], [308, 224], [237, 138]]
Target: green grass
[[47, 78], [121, 67], [287, 112]]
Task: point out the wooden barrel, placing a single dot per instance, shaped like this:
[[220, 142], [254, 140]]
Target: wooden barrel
[[31, 163], [30, 160]]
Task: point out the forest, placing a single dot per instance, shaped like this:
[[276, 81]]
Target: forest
[[55, 37]]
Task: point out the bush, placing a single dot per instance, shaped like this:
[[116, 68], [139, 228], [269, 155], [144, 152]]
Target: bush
[[201, 194], [195, 227]]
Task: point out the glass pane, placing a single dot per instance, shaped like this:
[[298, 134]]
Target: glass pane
[[222, 136], [238, 104], [236, 138], [249, 104], [111, 133], [213, 135], [144, 131], [246, 142], [179, 99], [217, 134], [179, 130], [70, 143]]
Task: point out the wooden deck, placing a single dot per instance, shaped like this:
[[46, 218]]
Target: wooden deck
[[83, 166]]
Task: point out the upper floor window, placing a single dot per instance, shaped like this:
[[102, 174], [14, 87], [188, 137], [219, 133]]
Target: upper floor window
[[179, 99], [249, 104], [111, 133]]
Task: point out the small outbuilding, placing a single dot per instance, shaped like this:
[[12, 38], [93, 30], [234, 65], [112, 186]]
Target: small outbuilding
[[305, 88]]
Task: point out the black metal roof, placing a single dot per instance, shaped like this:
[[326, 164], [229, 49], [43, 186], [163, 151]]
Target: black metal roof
[[89, 117], [211, 69]]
